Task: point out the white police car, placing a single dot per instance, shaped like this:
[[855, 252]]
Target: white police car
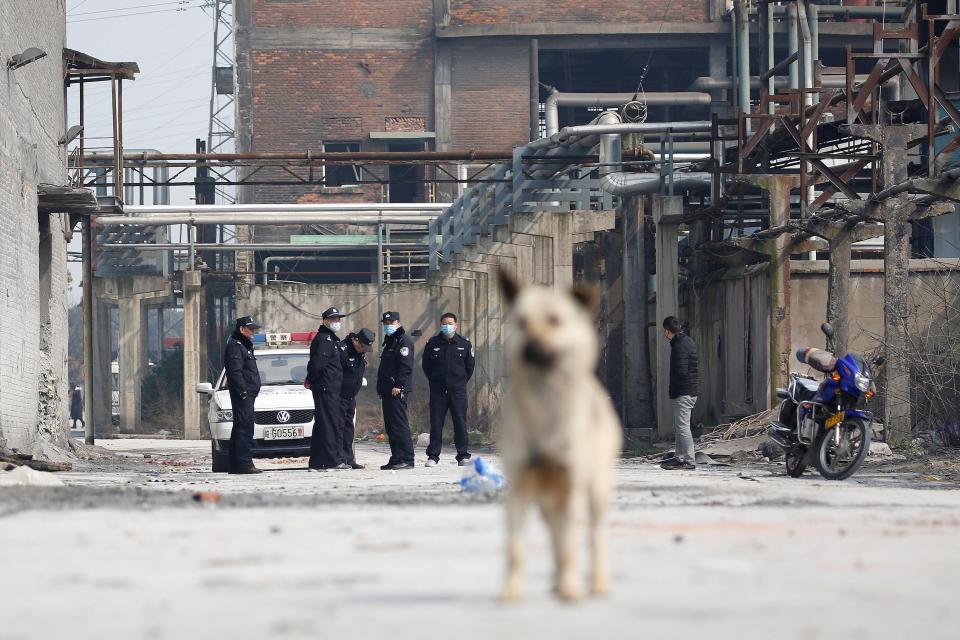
[[283, 412]]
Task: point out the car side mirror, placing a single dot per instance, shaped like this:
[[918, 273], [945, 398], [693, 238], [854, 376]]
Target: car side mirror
[[204, 387]]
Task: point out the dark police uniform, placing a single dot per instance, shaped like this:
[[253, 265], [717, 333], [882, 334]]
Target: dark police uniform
[[354, 363], [396, 371], [448, 364], [325, 375], [243, 382]]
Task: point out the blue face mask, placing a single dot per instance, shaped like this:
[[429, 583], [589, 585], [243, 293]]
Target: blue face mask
[[389, 329], [335, 327], [448, 329]]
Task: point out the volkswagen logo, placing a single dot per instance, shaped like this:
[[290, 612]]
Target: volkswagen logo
[[283, 416]]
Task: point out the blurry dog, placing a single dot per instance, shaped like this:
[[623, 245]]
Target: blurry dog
[[560, 435]]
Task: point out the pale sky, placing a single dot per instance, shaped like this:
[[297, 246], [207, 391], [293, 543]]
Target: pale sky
[[167, 107]]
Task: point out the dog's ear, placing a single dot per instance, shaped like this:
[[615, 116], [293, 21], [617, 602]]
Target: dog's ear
[[508, 285], [588, 295]]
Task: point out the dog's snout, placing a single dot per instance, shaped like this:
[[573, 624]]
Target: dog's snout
[[535, 353]]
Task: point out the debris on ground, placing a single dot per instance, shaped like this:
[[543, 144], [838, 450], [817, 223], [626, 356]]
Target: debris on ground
[[26, 460], [880, 450], [207, 497], [24, 476], [479, 477], [743, 428], [423, 439]]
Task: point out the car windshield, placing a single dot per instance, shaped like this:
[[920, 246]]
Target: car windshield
[[282, 368]]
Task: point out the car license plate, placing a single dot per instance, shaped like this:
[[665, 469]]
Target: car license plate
[[282, 433], [834, 420]]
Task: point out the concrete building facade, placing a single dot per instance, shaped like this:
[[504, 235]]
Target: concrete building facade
[[33, 253]]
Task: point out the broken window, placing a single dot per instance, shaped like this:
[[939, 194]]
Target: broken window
[[341, 175]]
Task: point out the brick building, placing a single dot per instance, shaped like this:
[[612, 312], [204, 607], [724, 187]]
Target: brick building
[[33, 252], [457, 74]]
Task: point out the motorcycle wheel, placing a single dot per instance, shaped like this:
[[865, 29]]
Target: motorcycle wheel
[[796, 460], [839, 461]]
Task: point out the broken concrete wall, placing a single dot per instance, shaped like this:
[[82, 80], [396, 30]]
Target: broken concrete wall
[[729, 324], [297, 307], [33, 273]]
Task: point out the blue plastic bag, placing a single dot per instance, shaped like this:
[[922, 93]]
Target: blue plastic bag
[[479, 477]]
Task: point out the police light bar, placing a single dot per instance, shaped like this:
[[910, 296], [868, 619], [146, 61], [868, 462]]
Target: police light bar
[[259, 338], [278, 339], [302, 336]]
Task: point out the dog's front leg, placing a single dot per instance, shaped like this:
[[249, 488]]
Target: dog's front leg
[[517, 505], [600, 577], [565, 532]]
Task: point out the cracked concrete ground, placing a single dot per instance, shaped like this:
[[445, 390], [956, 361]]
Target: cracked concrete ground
[[123, 551]]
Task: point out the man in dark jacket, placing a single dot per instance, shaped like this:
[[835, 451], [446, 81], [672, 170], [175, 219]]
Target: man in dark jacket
[[684, 387], [354, 363], [243, 382], [448, 361], [394, 384], [324, 379], [76, 408]]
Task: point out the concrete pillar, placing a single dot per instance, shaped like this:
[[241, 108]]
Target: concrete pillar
[[194, 354], [666, 215], [838, 290], [638, 407], [101, 387], [132, 359], [779, 289], [442, 110], [895, 213]]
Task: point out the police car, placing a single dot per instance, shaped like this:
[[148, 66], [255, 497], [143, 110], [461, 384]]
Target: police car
[[283, 412]]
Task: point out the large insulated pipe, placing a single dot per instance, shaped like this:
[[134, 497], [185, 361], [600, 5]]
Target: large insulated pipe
[[706, 83], [743, 56], [879, 12], [556, 99], [261, 218], [793, 44], [327, 207], [621, 183]]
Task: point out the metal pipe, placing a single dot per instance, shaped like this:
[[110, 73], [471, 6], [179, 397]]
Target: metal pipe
[[743, 56], [380, 272], [706, 83], [653, 99], [88, 308], [621, 183], [292, 208], [849, 11], [565, 135], [534, 89], [793, 44], [771, 55], [262, 218], [813, 16], [342, 156], [208, 246]]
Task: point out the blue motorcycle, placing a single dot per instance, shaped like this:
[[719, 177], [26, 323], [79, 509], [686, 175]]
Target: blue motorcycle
[[826, 422]]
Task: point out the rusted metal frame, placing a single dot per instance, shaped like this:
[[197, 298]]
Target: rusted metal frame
[[825, 195], [766, 121], [818, 112], [299, 179], [835, 180], [780, 66], [479, 171], [855, 107]]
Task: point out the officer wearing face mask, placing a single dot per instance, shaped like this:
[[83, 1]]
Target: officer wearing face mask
[[324, 379], [448, 361], [394, 383]]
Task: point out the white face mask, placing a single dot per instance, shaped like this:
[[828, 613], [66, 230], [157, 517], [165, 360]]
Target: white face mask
[[335, 327]]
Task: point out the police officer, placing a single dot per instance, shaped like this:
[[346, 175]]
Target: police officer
[[354, 362], [243, 382], [448, 361], [324, 379], [394, 383]]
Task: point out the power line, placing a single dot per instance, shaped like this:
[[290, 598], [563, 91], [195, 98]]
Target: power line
[[132, 8], [141, 13]]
